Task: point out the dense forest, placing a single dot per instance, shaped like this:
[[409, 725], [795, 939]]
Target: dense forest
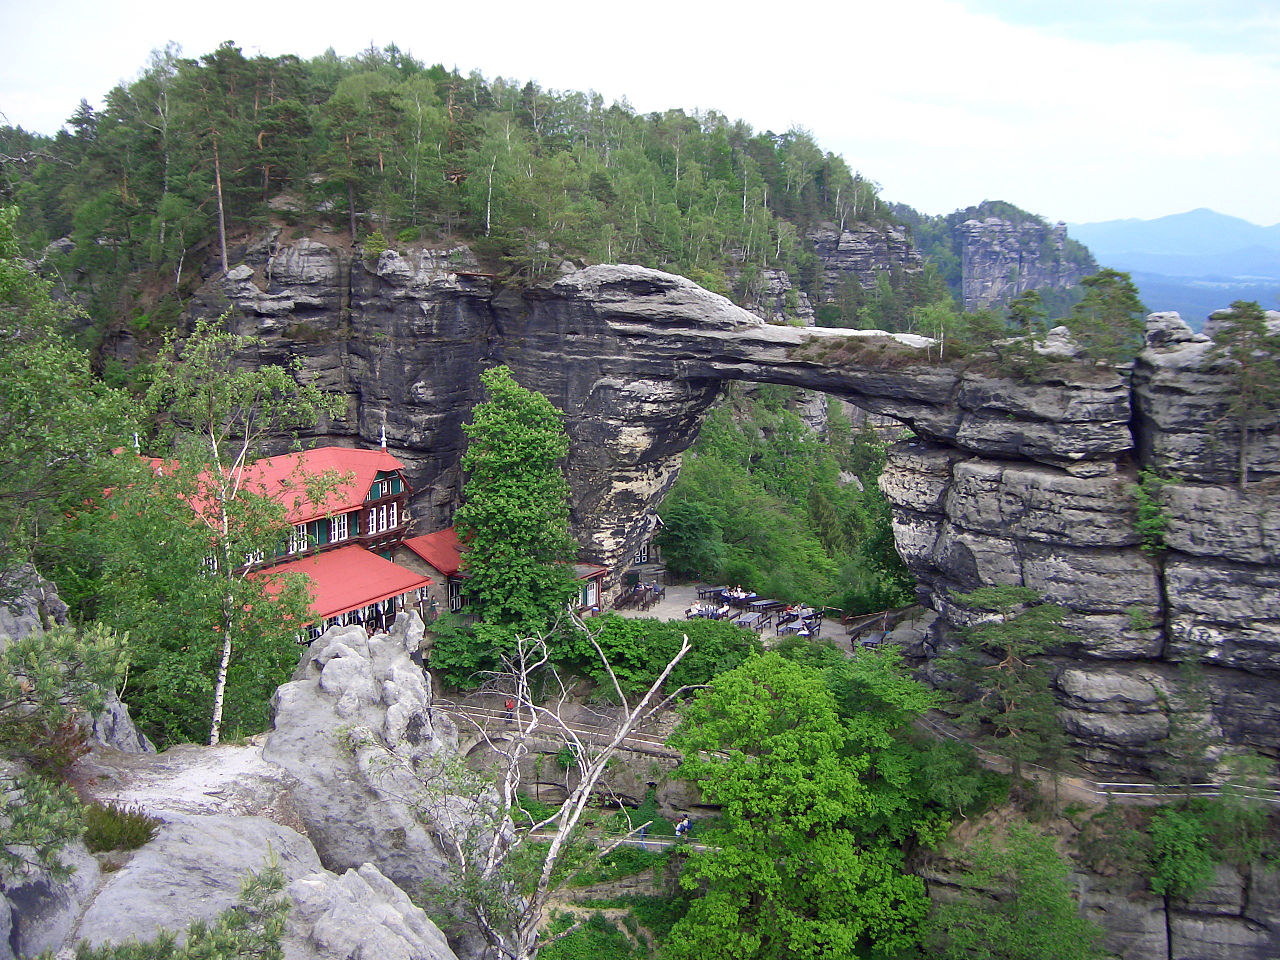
[[763, 500], [195, 154]]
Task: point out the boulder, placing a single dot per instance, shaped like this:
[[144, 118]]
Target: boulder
[[194, 870], [354, 809]]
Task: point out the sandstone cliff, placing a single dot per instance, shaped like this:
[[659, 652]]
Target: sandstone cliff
[[1000, 259], [1007, 481]]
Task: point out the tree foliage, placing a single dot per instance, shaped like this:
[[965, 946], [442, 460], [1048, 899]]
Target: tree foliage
[[514, 521], [1248, 345], [795, 867], [49, 685], [1108, 320], [169, 554], [761, 501], [1020, 906], [58, 423], [197, 151], [1006, 690]]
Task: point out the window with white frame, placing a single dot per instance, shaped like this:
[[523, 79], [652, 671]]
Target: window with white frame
[[391, 515], [254, 556], [338, 528], [298, 538]]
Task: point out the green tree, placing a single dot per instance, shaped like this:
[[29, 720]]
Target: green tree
[[183, 535], [58, 423], [794, 868], [1008, 687], [49, 684], [1018, 905], [1108, 320], [514, 521], [1181, 862], [1249, 346]]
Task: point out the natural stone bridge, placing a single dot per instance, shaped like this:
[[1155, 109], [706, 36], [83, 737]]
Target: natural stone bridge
[[1007, 482]]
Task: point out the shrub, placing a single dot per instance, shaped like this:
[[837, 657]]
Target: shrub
[[373, 246], [114, 827], [1180, 860]]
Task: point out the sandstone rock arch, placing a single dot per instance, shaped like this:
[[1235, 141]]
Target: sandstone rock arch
[[1006, 482]]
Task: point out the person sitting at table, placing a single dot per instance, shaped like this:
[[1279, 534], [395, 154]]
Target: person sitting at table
[[723, 611]]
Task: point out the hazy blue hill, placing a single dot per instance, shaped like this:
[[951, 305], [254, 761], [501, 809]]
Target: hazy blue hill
[[1194, 262], [1197, 233]]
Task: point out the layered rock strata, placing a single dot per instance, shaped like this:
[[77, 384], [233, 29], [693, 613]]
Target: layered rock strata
[[1000, 259], [1007, 481]]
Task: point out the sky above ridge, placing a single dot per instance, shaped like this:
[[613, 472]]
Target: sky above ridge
[[1081, 110]]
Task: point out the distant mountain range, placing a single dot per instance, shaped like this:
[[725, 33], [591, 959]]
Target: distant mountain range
[[1194, 262]]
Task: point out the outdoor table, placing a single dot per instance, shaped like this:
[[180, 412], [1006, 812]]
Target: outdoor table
[[705, 593], [795, 626], [762, 605], [748, 620]]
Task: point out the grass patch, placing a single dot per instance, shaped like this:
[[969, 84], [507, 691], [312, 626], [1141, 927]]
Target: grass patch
[[113, 827], [625, 861], [656, 914], [597, 937]]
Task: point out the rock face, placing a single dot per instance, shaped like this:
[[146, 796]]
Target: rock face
[[348, 681], [861, 253], [1000, 259], [1007, 481], [1236, 917], [224, 810], [193, 870]]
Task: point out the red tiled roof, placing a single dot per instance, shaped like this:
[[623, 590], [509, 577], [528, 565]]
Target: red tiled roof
[[443, 551], [440, 549], [281, 477], [350, 578]]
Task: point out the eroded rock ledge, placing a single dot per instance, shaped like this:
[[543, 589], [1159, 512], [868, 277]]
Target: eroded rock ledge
[[1007, 482]]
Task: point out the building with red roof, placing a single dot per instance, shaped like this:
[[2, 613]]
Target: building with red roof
[[439, 556], [345, 542]]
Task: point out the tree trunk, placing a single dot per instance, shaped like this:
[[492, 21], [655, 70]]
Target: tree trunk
[[222, 220], [220, 685], [351, 209]]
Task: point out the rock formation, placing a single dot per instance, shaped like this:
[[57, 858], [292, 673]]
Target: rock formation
[[861, 253], [1000, 259], [1007, 481], [321, 812], [350, 681], [1236, 917]]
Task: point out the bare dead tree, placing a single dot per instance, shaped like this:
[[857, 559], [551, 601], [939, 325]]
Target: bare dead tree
[[503, 879]]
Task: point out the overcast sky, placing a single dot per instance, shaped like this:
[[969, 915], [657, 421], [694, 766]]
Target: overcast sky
[[1080, 110]]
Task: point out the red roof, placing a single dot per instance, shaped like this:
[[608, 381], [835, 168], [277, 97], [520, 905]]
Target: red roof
[[443, 551], [440, 549], [281, 478], [350, 578]]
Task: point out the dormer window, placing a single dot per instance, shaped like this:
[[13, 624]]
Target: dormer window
[[385, 485], [298, 538]]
